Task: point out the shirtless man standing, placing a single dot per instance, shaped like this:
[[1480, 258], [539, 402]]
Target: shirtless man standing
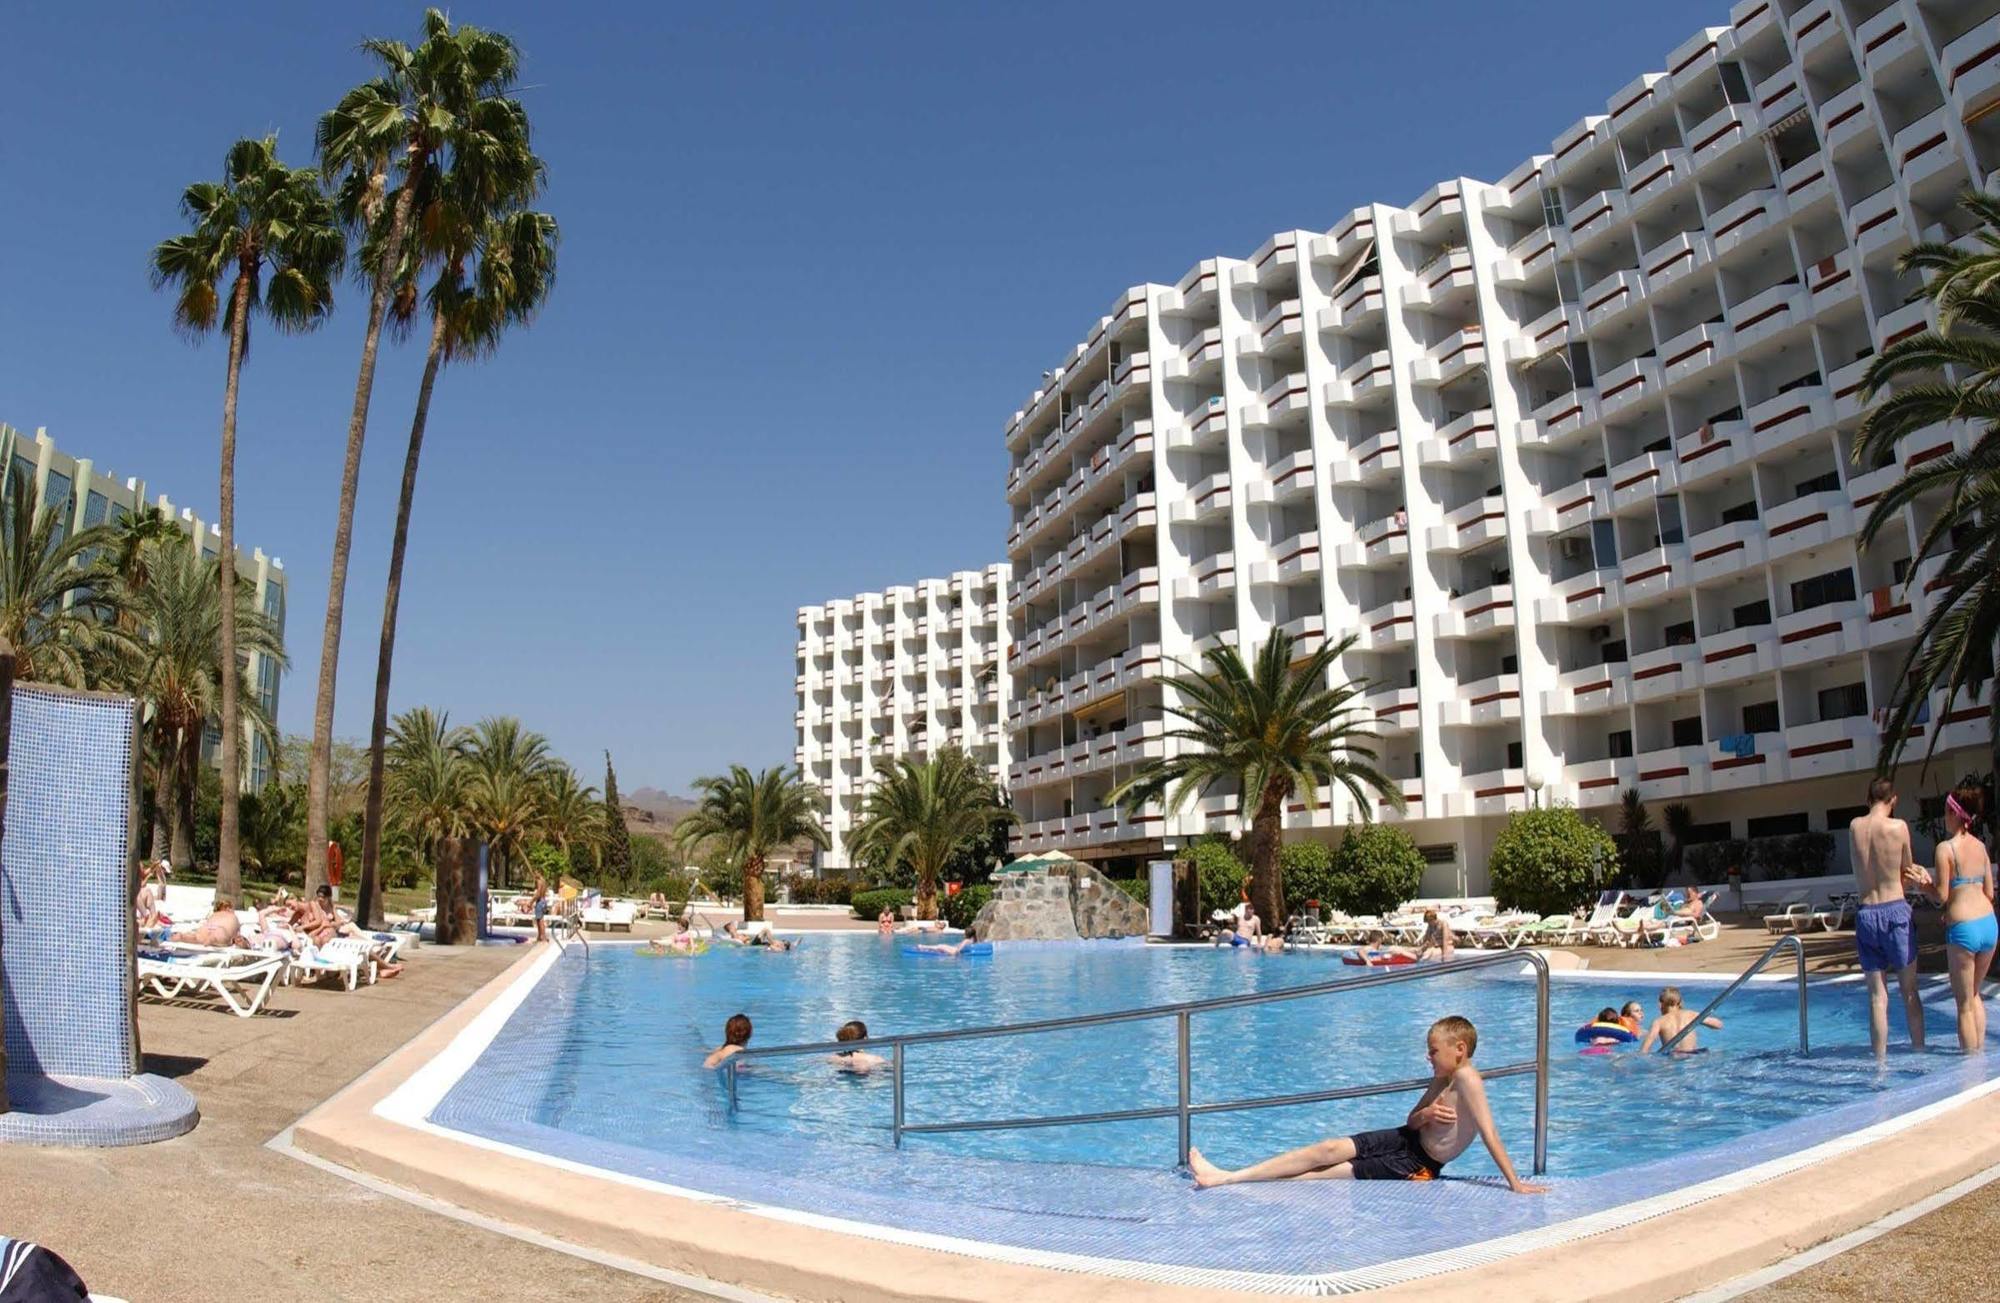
[[1879, 845]]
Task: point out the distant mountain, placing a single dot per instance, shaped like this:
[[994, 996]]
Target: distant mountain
[[650, 805]]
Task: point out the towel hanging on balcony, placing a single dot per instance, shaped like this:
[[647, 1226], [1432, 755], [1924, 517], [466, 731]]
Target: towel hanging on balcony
[[1740, 745]]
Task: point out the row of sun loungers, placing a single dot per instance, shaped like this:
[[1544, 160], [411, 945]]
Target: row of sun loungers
[[1647, 925]]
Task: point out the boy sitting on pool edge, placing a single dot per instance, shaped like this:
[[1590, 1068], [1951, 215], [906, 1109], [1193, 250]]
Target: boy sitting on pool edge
[[1440, 1128]]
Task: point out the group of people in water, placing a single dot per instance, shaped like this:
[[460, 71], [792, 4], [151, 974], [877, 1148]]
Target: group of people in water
[[1613, 1027], [736, 1039]]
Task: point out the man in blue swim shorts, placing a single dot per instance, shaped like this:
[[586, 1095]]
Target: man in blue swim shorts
[[1879, 846]]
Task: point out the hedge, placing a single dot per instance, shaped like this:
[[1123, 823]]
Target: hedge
[[1550, 861], [1220, 873], [961, 909], [870, 904], [1373, 870], [1763, 859], [1305, 869]]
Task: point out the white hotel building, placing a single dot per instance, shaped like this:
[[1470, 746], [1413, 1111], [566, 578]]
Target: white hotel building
[[87, 494], [1569, 451], [906, 672]]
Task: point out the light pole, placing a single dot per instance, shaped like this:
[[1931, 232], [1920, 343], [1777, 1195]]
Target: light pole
[[1534, 780]]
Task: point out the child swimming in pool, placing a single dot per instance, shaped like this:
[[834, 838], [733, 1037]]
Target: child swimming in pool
[[1451, 1112], [735, 1037], [855, 1061], [1673, 1017]]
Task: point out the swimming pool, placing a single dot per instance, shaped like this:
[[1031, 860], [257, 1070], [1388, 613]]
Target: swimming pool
[[599, 1065]]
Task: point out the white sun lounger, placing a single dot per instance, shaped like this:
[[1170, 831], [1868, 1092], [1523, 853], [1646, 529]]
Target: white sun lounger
[[242, 978], [346, 958], [1795, 915]]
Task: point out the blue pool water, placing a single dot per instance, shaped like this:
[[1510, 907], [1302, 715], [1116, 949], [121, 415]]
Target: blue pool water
[[634, 1027]]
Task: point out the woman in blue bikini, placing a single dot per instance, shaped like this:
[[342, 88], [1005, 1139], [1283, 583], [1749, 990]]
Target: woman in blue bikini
[[1963, 885]]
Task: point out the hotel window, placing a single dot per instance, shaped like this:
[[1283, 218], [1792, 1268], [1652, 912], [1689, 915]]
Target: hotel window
[[1822, 590], [1843, 702], [1779, 825], [1760, 717], [1687, 731], [1620, 744]]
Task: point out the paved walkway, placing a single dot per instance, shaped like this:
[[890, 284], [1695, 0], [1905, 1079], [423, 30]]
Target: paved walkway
[[216, 1214]]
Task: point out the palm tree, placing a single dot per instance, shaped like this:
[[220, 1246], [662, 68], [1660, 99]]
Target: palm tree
[[510, 764], [126, 560], [1953, 650], [922, 812], [444, 98], [1636, 844], [751, 815], [1274, 730], [495, 271], [270, 231], [429, 778], [178, 670], [1678, 821], [55, 610], [572, 816]]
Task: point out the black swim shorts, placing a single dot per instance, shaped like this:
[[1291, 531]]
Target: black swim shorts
[[1394, 1154]]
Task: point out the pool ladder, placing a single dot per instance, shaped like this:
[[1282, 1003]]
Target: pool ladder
[[1185, 1108], [1798, 949]]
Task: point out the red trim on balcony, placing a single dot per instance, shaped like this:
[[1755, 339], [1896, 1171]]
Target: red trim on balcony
[[1278, 324], [1654, 775], [1843, 116], [1730, 653], [1664, 169], [1618, 293], [1585, 595], [1490, 606], [1883, 39], [1651, 472], [1494, 696], [1818, 517], [1392, 620], [1875, 221], [1482, 793], [1292, 556], [1890, 613], [1442, 196], [1578, 223], [1574, 409], [1801, 184], [1917, 459], [1582, 140], [1781, 418], [1687, 254], [1277, 249], [1355, 225], [1769, 100], [1634, 102], [1821, 748], [1735, 762], [1737, 546], [1691, 60], [1655, 671], [1800, 35], [1801, 635], [1767, 313], [1951, 82], [1648, 574], [1602, 686], [1759, 211], [1905, 333], [1565, 508], [1590, 784], [1753, 16], [1706, 345], [1703, 451], [1964, 714]]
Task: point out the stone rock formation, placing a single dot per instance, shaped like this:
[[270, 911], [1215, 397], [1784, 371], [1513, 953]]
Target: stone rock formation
[[1064, 901]]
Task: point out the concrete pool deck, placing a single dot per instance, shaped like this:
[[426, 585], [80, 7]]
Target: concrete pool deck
[[1685, 1250]]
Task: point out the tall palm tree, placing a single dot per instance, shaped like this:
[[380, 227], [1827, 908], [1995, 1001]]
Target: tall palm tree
[[749, 816], [55, 610], [445, 97], [1273, 730], [510, 765], [270, 231], [178, 669], [429, 778], [572, 816], [1678, 822], [923, 812], [1953, 650], [494, 271]]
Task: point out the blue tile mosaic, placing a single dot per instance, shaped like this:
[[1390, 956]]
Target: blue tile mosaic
[[95, 1112], [65, 886], [1151, 1220]]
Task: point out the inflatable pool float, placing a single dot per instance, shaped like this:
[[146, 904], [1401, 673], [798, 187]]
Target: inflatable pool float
[[1605, 1033], [1377, 959], [675, 952], [977, 950]]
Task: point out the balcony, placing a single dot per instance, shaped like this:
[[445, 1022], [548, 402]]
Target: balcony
[[1629, 382], [1971, 66], [1209, 577], [1371, 375], [1600, 782], [1769, 313], [1370, 460], [1763, 763], [1784, 419], [1532, 253], [1666, 672], [1287, 396], [1564, 416], [1722, 133], [1279, 327], [1830, 281], [1671, 259], [1848, 385], [1812, 28], [1205, 426], [1597, 216], [1479, 612], [1966, 720], [1807, 522], [1642, 478], [1711, 449], [1725, 550], [1923, 150], [1864, 490], [1560, 326], [1436, 204], [1358, 304], [1277, 258], [1380, 542], [1652, 575], [1844, 122], [1876, 222], [1289, 478], [1394, 710], [1736, 654], [1573, 505], [1474, 523], [1346, 240], [1199, 357], [1694, 351], [1307, 632], [1494, 791], [1590, 690], [1744, 218], [1445, 279], [1205, 499], [1292, 559], [1484, 701], [1832, 746], [1390, 625], [1655, 177], [1671, 772], [1451, 357], [1887, 44], [1469, 438], [1582, 599], [1821, 633], [1613, 297]]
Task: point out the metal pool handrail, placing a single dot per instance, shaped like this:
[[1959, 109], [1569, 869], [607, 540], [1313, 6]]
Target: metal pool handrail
[[1185, 1108], [1798, 949]]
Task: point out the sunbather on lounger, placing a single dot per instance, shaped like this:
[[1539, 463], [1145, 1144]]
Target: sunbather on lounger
[[152, 892], [218, 929]]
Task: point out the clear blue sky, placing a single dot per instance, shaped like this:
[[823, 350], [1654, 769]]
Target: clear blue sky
[[813, 257]]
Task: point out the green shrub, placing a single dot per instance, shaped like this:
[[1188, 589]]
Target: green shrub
[[1139, 889], [961, 909], [1307, 871], [836, 890], [1220, 873], [1373, 870], [869, 904], [1550, 861]]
